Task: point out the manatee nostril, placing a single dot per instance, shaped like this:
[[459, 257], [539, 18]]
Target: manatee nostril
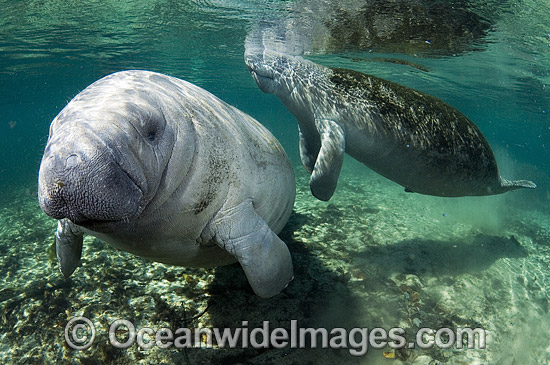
[[72, 161]]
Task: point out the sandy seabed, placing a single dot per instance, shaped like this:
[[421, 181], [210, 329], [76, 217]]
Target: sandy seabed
[[374, 256]]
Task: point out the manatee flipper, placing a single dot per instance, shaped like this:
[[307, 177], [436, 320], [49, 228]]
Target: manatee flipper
[[68, 246], [507, 185], [308, 153], [329, 161], [264, 258]]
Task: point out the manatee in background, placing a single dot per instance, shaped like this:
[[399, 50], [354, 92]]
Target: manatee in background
[[408, 136], [163, 169]]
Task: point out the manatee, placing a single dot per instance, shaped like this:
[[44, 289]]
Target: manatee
[[410, 137], [160, 168]]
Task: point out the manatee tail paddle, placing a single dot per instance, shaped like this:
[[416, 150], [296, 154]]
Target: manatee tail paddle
[[507, 185]]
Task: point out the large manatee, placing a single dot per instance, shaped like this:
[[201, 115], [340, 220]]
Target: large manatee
[[408, 136], [163, 169]]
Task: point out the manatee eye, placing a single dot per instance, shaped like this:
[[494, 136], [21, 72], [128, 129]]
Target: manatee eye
[[151, 136], [152, 131]]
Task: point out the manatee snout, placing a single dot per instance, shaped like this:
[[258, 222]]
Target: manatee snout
[[262, 74], [271, 71], [81, 180]]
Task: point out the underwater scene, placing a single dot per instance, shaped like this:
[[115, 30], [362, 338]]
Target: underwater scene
[[375, 190]]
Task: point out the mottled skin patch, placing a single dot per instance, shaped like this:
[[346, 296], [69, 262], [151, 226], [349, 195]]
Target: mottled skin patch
[[219, 173], [423, 125]]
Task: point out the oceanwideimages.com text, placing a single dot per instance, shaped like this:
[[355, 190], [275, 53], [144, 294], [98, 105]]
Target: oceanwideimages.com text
[[80, 334]]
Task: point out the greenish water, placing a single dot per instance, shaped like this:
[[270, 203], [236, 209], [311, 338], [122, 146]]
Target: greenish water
[[359, 259]]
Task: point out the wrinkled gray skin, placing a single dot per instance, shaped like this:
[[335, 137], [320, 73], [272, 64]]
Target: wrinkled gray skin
[[161, 168], [411, 138]]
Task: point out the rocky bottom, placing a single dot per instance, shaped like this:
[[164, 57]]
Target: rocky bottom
[[373, 257]]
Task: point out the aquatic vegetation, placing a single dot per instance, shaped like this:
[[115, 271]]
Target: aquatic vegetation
[[374, 256]]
